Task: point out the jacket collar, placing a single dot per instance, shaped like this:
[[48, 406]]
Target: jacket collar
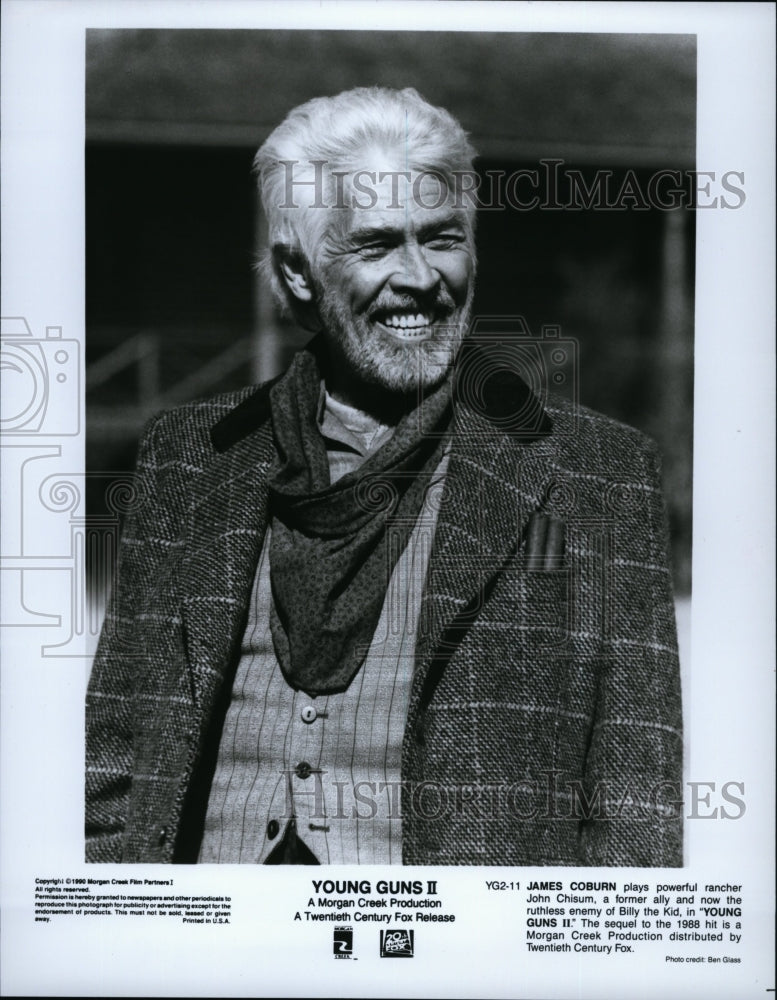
[[246, 417], [502, 398]]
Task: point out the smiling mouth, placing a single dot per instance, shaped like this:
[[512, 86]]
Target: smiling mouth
[[406, 325]]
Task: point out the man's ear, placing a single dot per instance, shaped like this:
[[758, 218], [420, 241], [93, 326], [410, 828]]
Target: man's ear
[[295, 272]]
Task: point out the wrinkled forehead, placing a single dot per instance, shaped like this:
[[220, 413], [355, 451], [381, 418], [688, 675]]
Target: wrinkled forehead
[[377, 189], [374, 180], [394, 190], [393, 199]]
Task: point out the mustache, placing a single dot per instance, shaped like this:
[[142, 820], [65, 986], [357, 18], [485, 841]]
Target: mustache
[[440, 304]]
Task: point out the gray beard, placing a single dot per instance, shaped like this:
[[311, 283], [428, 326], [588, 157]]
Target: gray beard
[[376, 359]]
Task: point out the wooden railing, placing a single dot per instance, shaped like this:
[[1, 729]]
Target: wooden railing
[[142, 353]]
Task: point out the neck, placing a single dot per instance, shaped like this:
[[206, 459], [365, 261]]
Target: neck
[[386, 406]]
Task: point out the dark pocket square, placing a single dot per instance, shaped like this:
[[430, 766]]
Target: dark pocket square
[[545, 538]]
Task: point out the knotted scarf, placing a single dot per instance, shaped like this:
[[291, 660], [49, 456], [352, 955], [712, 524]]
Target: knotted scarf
[[334, 546]]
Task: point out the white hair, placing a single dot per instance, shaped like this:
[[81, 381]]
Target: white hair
[[330, 134]]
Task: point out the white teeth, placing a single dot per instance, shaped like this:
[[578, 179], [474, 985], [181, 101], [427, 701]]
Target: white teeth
[[404, 322]]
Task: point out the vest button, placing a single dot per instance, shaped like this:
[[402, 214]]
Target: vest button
[[309, 714], [272, 829], [303, 770], [163, 835]]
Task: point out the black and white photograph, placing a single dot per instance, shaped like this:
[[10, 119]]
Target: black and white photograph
[[384, 490], [465, 652]]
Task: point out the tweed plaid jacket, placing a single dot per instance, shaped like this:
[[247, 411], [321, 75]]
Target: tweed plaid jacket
[[544, 724]]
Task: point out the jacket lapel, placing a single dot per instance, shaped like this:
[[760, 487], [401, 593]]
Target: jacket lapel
[[227, 523], [495, 482]]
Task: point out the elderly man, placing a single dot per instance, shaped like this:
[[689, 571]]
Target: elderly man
[[393, 606]]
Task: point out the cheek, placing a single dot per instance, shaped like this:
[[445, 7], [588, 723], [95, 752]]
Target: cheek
[[457, 270], [363, 286], [356, 286]]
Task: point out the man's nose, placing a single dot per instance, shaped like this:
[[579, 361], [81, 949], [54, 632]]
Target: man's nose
[[414, 273]]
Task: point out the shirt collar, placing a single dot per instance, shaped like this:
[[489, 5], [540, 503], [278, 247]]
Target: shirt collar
[[345, 425]]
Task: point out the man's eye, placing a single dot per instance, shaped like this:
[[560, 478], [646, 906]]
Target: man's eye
[[444, 241], [374, 250]]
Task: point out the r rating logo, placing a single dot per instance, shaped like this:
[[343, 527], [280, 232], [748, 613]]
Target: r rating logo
[[396, 944], [342, 945]]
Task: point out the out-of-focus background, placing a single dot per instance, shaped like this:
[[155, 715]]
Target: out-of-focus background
[[175, 310]]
